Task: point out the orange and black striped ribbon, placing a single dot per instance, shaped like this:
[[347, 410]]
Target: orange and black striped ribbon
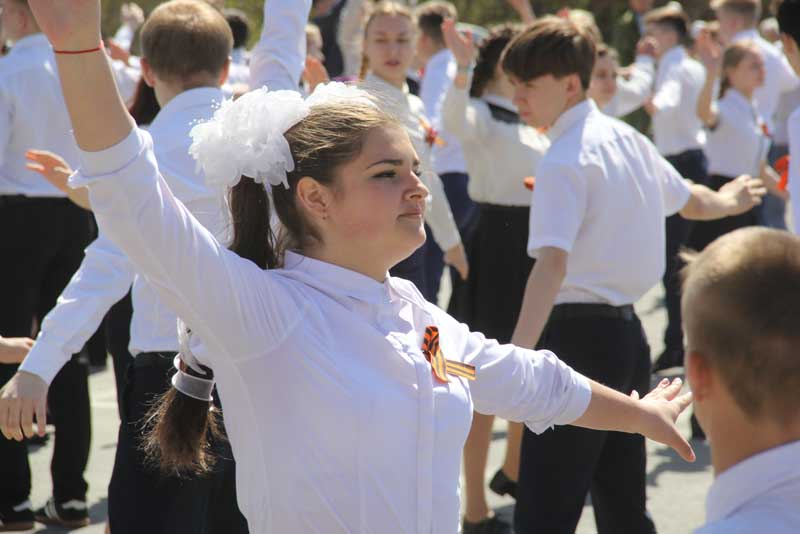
[[440, 365]]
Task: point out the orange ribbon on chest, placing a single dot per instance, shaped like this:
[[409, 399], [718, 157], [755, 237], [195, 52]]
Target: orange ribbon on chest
[[440, 365]]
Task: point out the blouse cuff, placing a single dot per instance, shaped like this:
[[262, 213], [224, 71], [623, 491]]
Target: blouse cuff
[[40, 360], [581, 396], [94, 165]]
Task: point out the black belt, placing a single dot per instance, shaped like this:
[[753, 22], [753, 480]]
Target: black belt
[[153, 359], [580, 310], [15, 200]]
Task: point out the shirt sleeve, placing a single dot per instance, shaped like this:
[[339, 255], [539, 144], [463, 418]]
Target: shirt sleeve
[[350, 36], [6, 120], [233, 305], [557, 208], [433, 89], [632, 92], [787, 77], [533, 387], [104, 277], [438, 215], [675, 189], [794, 168], [461, 117], [278, 59]]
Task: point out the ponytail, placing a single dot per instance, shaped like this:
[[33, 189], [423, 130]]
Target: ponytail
[[362, 73], [180, 430]]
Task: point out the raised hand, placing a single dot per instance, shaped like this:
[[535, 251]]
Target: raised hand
[[314, 73], [69, 24], [709, 52], [461, 46], [647, 46], [744, 193], [132, 15]]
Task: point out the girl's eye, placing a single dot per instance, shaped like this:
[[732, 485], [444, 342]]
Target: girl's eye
[[386, 174]]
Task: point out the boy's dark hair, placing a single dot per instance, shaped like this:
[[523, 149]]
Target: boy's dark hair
[[430, 16], [788, 16], [603, 50], [551, 45], [489, 54], [744, 289], [240, 25], [184, 41], [672, 17]]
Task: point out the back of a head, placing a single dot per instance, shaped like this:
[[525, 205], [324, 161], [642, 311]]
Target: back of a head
[[749, 11], [741, 313], [788, 15], [184, 40], [551, 46], [490, 52], [671, 16], [430, 16], [240, 26]]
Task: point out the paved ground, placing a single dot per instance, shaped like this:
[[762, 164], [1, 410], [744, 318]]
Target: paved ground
[[676, 488]]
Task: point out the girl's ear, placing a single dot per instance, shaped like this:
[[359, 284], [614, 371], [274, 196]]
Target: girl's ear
[[314, 197]]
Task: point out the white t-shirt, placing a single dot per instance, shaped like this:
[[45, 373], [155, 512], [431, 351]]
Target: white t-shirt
[[602, 195], [794, 168], [738, 144]]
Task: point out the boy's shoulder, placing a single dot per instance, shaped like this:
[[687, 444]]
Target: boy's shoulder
[[581, 142]]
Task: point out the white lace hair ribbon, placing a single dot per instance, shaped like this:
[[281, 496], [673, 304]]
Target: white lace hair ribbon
[[245, 137]]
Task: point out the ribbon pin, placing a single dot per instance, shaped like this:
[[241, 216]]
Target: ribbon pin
[[440, 365]]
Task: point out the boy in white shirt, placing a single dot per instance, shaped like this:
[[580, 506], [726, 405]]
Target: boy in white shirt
[[42, 236], [789, 21], [679, 136], [741, 362], [738, 21], [597, 232]]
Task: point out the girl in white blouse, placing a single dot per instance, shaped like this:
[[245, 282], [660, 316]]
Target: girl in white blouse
[[737, 140], [389, 37], [501, 152], [337, 420]]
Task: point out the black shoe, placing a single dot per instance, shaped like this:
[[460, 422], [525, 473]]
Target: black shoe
[[697, 430], [490, 525], [669, 358], [502, 485], [16, 518], [70, 514]]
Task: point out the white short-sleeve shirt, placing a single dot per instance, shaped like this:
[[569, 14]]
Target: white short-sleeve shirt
[[602, 195]]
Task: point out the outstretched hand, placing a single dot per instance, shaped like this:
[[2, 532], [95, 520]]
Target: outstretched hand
[[51, 166], [461, 46], [69, 24], [663, 405]]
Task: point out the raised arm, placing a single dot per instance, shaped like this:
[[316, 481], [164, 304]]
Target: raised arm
[[278, 59], [351, 36], [711, 57]]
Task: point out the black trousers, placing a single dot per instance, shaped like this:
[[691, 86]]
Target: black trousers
[[118, 334], [693, 165], [140, 498], [559, 467], [41, 244]]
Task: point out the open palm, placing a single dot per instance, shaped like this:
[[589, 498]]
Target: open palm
[[460, 45], [69, 24]]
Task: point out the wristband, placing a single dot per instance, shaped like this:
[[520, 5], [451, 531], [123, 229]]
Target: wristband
[[465, 69], [77, 52]]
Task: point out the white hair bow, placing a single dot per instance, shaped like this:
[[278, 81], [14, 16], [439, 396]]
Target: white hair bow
[[245, 137]]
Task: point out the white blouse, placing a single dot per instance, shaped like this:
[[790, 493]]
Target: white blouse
[[410, 111], [500, 154], [336, 421], [738, 143]]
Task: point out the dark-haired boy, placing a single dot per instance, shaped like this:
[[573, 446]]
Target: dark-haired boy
[[597, 231], [742, 331], [788, 16]]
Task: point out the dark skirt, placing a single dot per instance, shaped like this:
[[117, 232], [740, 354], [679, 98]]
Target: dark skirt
[[704, 232], [489, 300]]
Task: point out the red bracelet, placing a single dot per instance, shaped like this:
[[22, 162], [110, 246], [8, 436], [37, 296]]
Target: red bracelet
[[76, 52]]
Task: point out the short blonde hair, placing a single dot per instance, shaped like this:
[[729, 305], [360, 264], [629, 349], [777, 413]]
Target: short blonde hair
[[747, 9], [744, 290]]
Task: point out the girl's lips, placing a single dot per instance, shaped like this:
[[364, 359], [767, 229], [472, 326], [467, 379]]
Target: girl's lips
[[392, 63]]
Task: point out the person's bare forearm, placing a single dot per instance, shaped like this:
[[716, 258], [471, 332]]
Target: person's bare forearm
[[611, 410], [704, 108], [705, 204], [98, 114], [540, 294]]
